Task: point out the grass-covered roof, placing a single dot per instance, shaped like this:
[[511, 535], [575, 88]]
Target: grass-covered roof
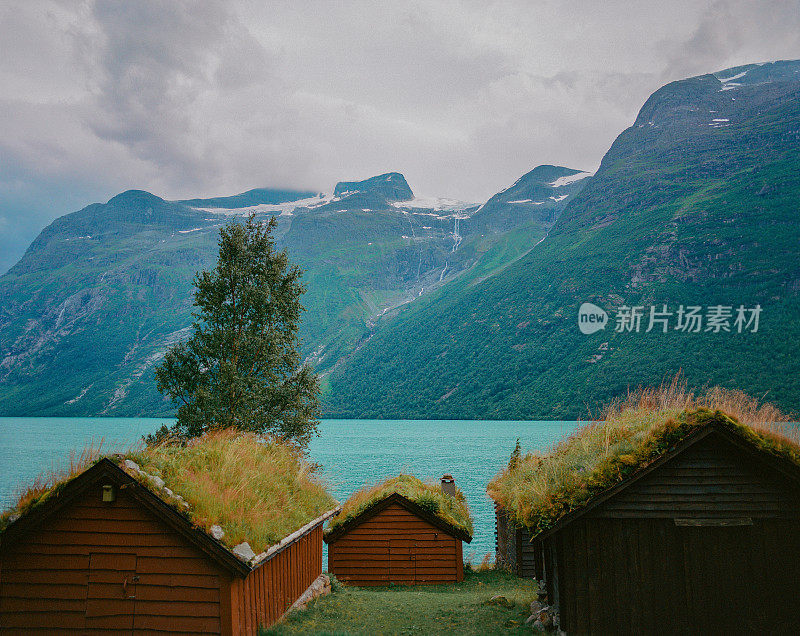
[[257, 489], [538, 489], [451, 510]]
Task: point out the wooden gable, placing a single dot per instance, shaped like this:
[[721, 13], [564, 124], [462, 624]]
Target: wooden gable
[[715, 468], [394, 500], [93, 566], [712, 479]]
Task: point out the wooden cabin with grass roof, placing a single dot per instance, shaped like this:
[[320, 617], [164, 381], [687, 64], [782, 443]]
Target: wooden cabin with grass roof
[[219, 536], [660, 520], [400, 532]]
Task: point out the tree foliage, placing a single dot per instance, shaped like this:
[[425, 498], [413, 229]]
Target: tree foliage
[[241, 367]]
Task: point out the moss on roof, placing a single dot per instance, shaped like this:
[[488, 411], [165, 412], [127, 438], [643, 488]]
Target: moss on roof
[[255, 488], [452, 510], [539, 489]]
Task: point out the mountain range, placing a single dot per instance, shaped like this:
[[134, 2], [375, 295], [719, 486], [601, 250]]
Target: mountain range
[[118, 277], [439, 308], [694, 205]]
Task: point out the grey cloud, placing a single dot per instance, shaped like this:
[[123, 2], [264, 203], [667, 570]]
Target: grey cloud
[[203, 98], [733, 33], [155, 61]]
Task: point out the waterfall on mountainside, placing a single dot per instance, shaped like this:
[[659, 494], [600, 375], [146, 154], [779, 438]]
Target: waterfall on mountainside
[[456, 235]]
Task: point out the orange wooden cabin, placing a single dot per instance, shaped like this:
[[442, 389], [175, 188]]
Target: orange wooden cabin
[[107, 555], [395, 541]]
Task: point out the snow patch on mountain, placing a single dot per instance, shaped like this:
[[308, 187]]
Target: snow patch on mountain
[[572, 178], [728, 83], [725, 80], [284, 209]]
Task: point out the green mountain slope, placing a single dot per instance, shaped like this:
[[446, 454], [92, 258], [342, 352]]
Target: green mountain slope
[[89, 310], [696, 204]]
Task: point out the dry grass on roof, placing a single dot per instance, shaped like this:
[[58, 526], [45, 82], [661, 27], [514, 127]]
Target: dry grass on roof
[[538, 489], [256, 488], [453, 510]]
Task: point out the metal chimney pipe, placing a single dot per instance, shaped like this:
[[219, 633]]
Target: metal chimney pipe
[[448, 485]]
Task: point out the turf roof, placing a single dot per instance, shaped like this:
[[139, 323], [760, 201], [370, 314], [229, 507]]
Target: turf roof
[[537, 490], [256, 489], [429, 497]]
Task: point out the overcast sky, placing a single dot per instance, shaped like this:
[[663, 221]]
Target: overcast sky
[[208, 98]]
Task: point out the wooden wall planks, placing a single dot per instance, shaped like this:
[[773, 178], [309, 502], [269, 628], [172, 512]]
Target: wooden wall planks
[[46, 581], [396, 546], [75, 574]]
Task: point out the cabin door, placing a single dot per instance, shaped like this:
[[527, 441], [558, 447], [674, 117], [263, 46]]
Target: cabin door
[[111, 596], [402, 562]]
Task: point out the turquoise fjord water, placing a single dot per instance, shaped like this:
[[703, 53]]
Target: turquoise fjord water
[[353, 453]]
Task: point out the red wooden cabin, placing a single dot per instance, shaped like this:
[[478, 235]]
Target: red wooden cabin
[[396, 541], [105, 554]]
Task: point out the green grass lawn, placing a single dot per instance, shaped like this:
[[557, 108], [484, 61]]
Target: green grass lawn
[[461, 608]]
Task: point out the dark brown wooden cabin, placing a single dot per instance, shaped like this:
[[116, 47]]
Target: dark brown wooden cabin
[[514, 547], [704, 540], [79, 564], [395, 541]]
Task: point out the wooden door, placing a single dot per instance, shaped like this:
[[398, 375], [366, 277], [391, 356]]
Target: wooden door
[[402, 562], [111, 595]]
